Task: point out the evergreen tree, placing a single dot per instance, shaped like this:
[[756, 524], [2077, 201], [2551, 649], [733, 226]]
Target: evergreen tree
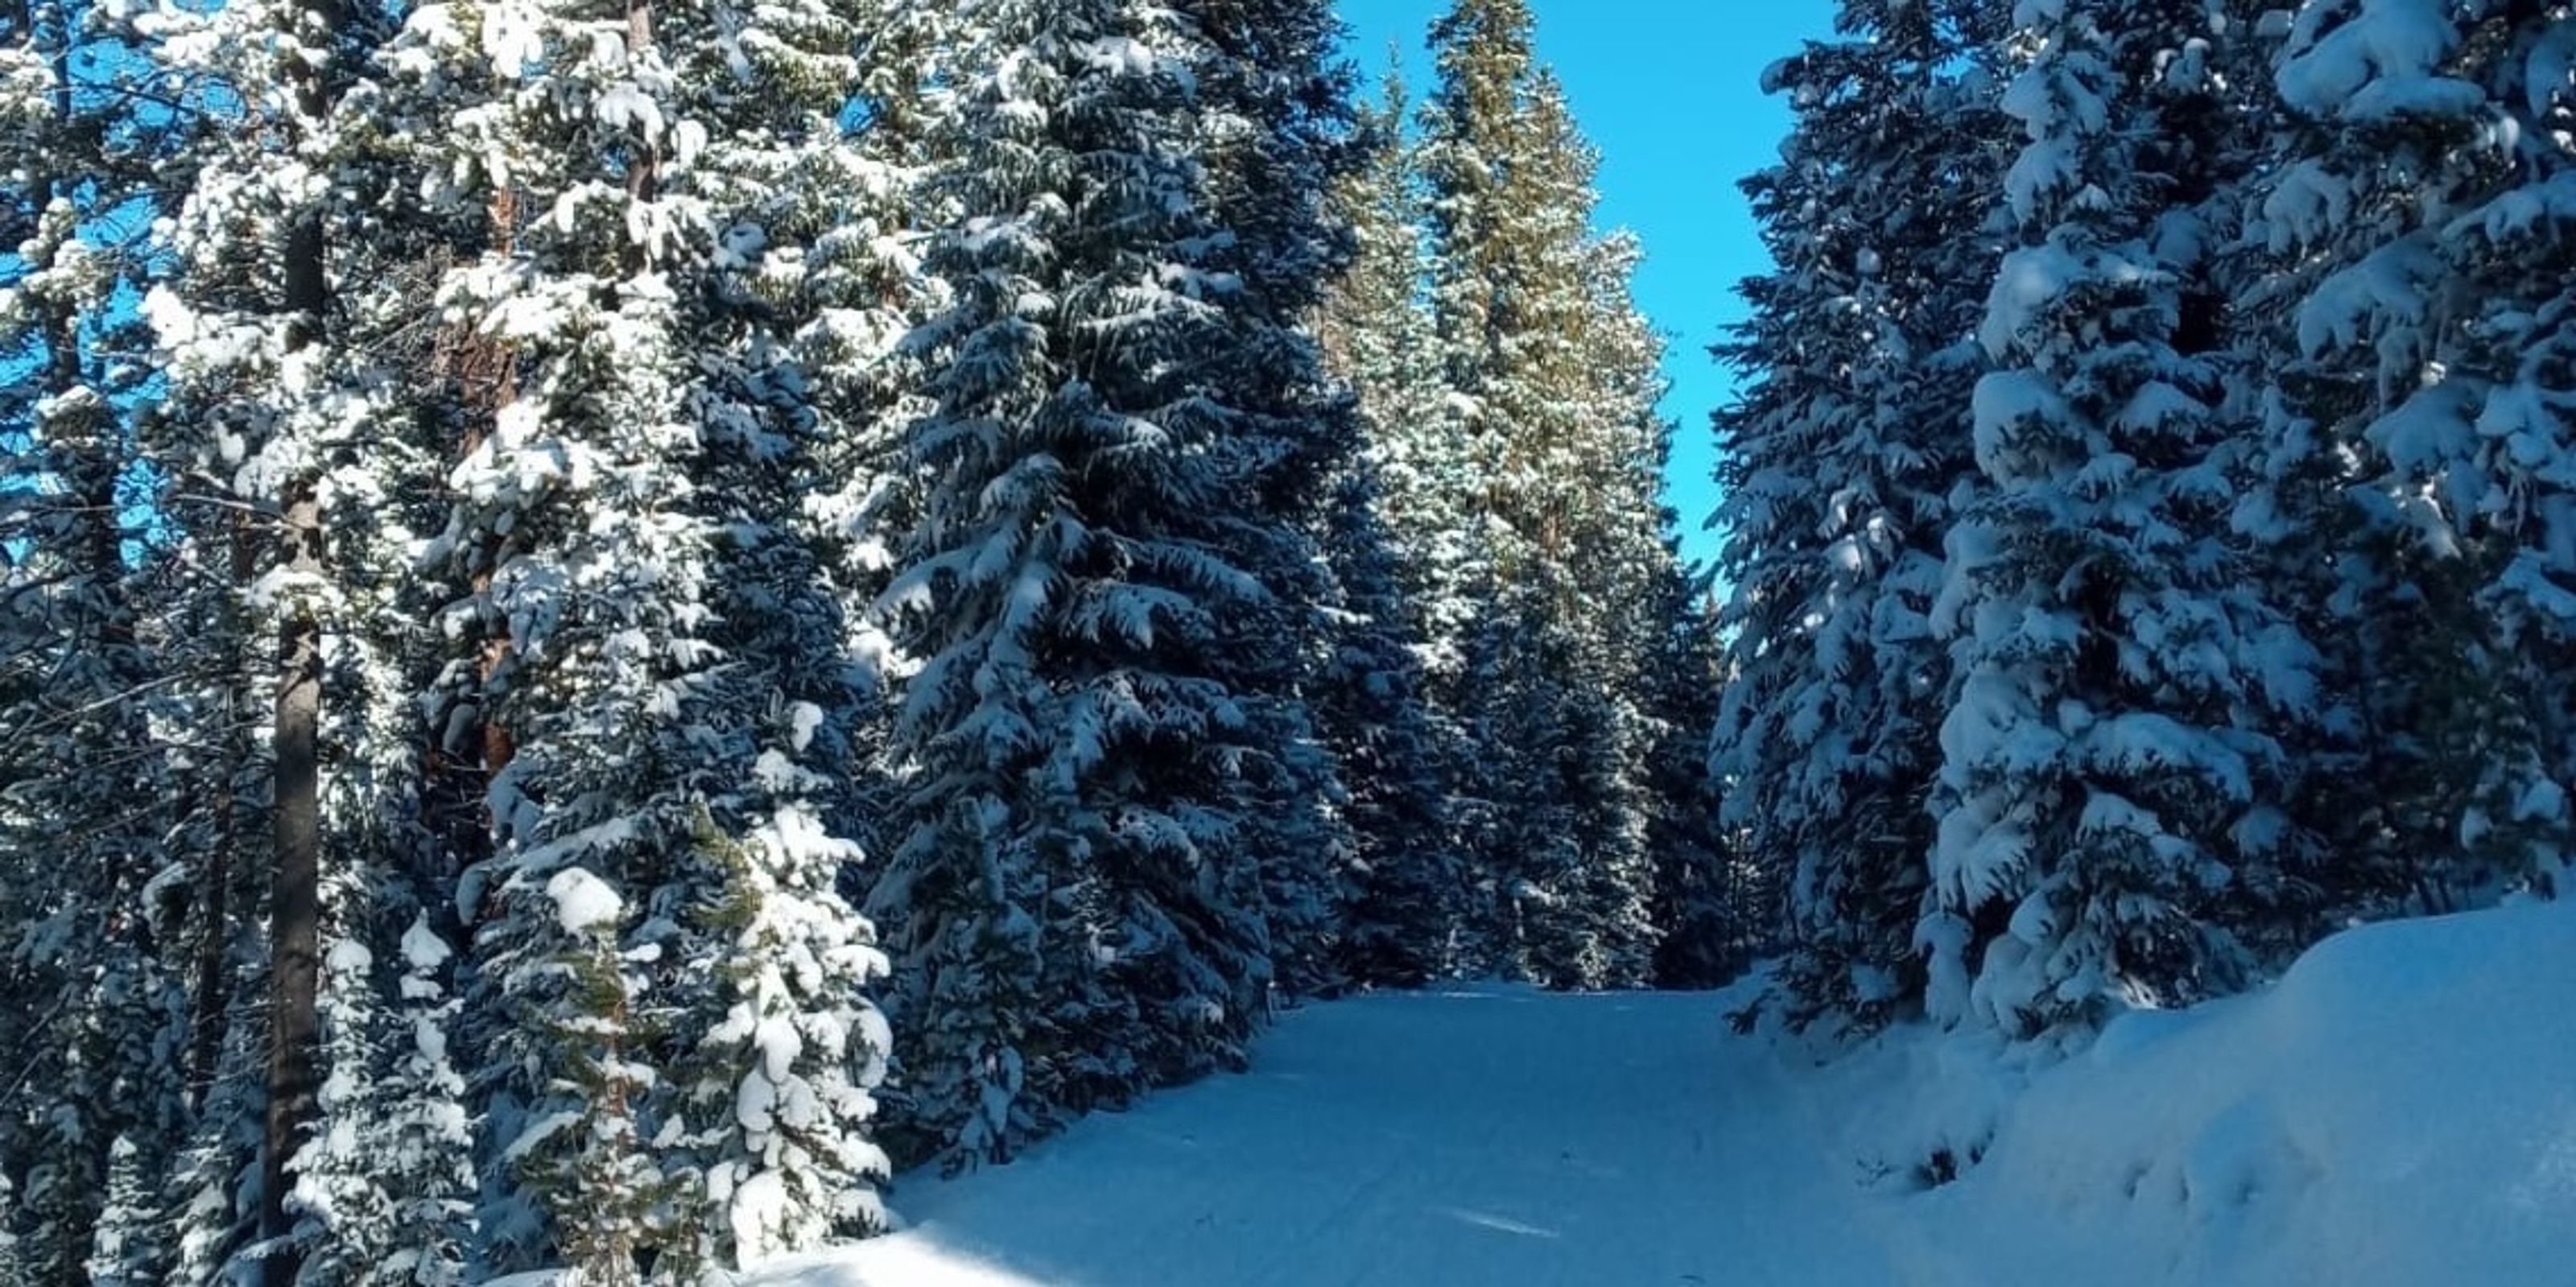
[[94, 930], [1552, 377], [581, 1151], [120, 1251], [340, 1208], [430, 1171], [12, 1269], [282, 409], [785, 1077], [2414, 312], [2109, 796], [645, 631], [578, 572], [1082, 908], [1395, 532], [1709, 924], [1378, 335], [786, 1046], [1273, 107], [1398, 901], [1839, 465]]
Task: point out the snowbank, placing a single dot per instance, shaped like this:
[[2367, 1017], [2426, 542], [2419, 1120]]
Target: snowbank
[[2400, 1109]]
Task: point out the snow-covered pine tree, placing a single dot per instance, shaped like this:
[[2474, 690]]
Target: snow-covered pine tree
[[93, 922], [1395, 533], [1708, 923], [2111, 782], [121, 1253], [211, 1197], [383, 1178], [1378, 336], [578, 560], [1077, 913], [339, 1207], [581, 1151], [2416, 224], [1837, 464], [1545, 366], [1480, 242], [429, 1167], [284, 407], [863, 290], [1398, 900], [12, 1269], [780, 1088], [1273, 103], [1438, 458], [1636, 596], [646, 634], [779, 1047], [385, 1187]]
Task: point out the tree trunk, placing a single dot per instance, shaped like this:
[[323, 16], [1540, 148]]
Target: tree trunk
[[295, 894], [644, 170], [209, 1006]]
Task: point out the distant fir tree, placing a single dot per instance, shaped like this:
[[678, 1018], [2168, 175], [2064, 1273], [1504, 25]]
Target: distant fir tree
[[1378, 336], [1395, 532], [1550, 377], [1712, 919]]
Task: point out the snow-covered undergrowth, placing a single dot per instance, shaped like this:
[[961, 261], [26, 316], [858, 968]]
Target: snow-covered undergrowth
[[2399, 1109]]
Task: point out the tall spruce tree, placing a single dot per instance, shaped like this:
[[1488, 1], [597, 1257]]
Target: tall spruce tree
[[1839, 465], [2411, 254], [645, 635], [578, 569], [1080, 909], [282, 418], [2111, 779], [96, 916], [1378, 336], [1552, 379], [1396, 533], [1273, 107]]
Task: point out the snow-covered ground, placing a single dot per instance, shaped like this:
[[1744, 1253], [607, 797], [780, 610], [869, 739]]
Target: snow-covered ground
[[2400, 1110]]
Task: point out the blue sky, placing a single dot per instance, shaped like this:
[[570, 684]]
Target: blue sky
[[1670, 91]]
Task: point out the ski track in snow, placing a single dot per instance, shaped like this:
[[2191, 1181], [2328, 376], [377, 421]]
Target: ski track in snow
[[1411, 1141]]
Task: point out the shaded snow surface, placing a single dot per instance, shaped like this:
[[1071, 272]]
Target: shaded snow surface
[[2400, 1110], [1495, 1137]]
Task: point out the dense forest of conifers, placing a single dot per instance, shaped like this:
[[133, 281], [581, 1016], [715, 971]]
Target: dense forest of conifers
[[621, 616]]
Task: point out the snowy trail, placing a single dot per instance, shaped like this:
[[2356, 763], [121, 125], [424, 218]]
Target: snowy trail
[[1496, 1137], [2312, 1132]]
